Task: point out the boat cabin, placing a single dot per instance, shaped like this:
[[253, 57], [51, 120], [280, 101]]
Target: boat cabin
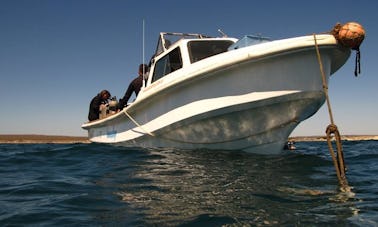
[[175, 51], [178, 50]]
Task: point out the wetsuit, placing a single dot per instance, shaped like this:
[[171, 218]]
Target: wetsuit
[[94, 107], [134, 86]]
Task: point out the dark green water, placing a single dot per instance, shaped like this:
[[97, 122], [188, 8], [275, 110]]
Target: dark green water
[[97, 185]]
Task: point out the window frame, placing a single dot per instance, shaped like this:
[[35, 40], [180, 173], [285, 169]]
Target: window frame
[[203, 53], [167, 64]]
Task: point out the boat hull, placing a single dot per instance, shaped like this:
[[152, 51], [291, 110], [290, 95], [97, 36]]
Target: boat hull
[[260, 126], [250, 105]]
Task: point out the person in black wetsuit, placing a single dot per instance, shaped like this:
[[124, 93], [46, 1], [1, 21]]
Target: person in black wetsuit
[[134, 86], [94, 108]]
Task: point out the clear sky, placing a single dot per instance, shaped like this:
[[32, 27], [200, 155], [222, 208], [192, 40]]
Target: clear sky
[[56, 55]]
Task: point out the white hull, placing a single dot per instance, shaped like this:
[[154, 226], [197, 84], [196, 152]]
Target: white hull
[[249, 99]]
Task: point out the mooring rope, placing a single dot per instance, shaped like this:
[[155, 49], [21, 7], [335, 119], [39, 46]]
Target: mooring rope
[[137, 124], [338, 159]]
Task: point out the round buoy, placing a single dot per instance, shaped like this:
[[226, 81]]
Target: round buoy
[[351, 35]]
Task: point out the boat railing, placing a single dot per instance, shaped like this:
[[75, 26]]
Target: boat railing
[[166, 39]]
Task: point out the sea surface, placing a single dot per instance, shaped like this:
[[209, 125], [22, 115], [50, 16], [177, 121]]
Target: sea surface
[[98, 185]]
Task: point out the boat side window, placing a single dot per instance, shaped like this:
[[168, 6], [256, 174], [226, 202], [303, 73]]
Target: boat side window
[[201, 49], [167, 64]]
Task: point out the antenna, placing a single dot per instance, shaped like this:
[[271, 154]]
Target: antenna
[[143, 44], [144, 82], [223, 34]]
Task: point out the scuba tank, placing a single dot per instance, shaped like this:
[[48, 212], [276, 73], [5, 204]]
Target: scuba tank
[[113, 105], [104, 110]]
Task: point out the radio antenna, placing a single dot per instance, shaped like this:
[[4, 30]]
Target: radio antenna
[[144, 82], [143, 42], [223, 34]]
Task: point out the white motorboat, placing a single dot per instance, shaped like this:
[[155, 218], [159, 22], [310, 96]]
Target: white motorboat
[[223, 93]]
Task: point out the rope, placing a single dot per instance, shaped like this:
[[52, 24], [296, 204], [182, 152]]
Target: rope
[[357, 68], [338, 159], [137, 124]]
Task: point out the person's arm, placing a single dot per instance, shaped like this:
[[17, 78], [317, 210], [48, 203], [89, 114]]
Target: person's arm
[[123, 102]]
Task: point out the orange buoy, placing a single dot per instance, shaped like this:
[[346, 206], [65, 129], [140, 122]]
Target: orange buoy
[[351, 35]]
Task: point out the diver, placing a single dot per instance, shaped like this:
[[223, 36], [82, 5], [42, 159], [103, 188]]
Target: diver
[[134, 86], [98, 104]]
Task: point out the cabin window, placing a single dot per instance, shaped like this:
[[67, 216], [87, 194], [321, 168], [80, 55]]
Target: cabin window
[[167, 64], [201, 49]]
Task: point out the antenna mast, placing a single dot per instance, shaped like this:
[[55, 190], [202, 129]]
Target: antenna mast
[[143, 43], [144, 81]]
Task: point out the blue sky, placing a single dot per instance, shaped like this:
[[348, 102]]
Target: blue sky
[[55, 55]]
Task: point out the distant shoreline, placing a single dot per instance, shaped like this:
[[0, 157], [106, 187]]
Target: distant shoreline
[[30, 138], [343, 137]]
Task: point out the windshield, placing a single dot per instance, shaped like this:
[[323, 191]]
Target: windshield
[[166, 39], [200, 49]]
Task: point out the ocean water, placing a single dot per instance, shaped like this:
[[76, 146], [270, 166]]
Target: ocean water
[[98, 185]]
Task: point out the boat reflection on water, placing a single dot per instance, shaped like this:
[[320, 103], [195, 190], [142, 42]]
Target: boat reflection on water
[[189, 187]]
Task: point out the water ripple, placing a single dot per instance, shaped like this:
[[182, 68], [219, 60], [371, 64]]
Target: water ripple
[[91, 184]]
